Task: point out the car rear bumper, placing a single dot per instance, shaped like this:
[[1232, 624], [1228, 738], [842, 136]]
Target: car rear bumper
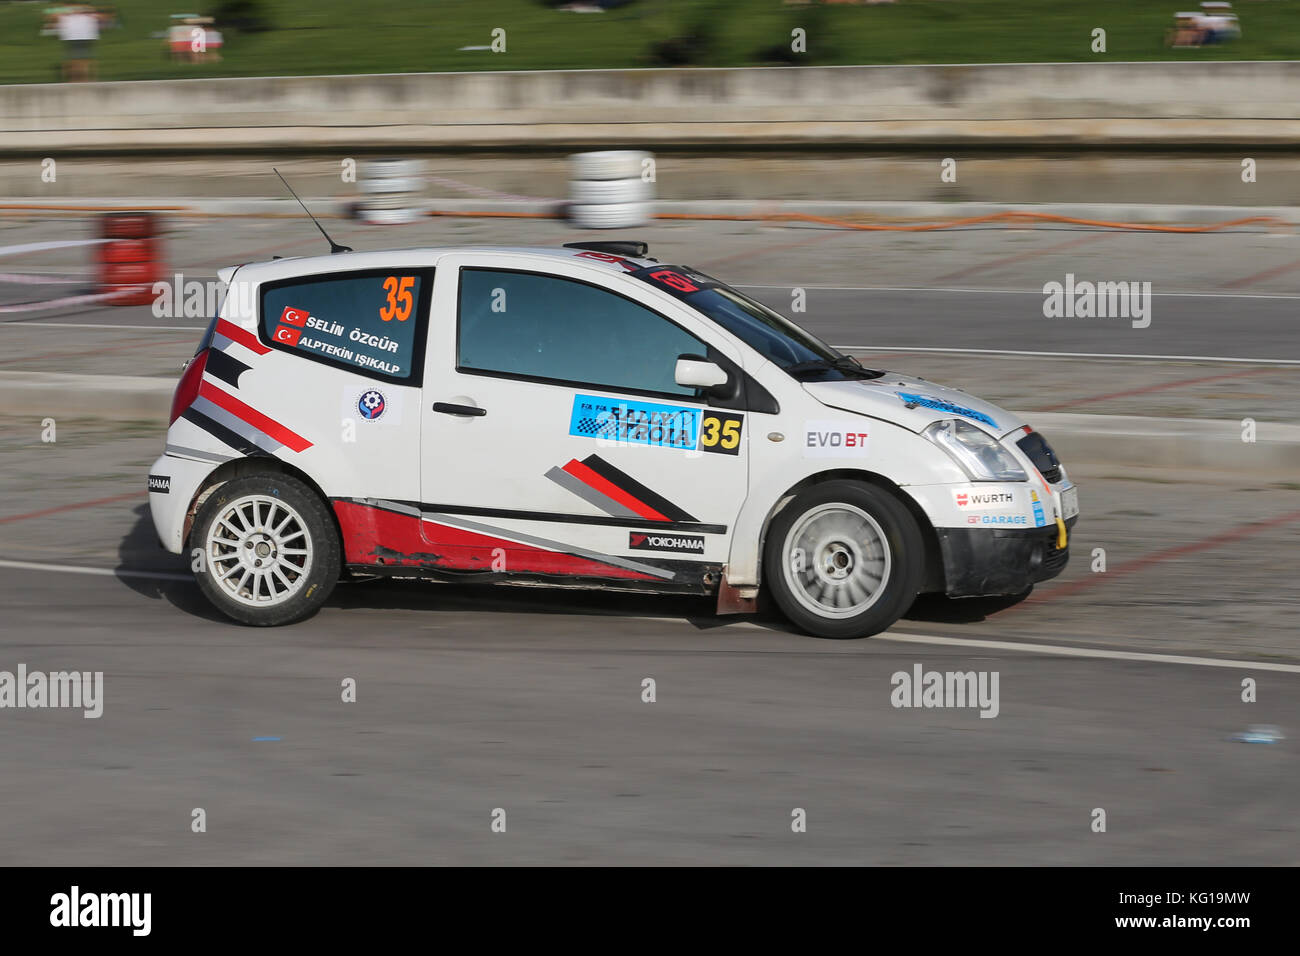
[[170, 507], [989, 561]]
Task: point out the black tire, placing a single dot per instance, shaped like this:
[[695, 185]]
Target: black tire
[[888, 530], [247, 502]]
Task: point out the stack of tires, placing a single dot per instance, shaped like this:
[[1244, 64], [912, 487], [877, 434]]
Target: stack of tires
[[607, 189], [391, 191], [130, 258]]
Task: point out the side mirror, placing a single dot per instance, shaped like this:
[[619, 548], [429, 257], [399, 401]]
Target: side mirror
[[698, 373]]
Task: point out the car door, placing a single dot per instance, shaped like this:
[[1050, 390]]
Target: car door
[[555, 440]]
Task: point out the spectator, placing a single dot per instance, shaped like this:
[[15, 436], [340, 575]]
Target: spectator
[[78, 29], [1188, 30]]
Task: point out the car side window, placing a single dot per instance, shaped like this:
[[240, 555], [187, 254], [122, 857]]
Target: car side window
[[544, 327], [367, 322]]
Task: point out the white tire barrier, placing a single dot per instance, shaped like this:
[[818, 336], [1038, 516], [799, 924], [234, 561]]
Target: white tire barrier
[[390, 191], [392, 168], [608, 164], [587, 191], [613, 215], [403, 185], [391, 217], [608, 189]]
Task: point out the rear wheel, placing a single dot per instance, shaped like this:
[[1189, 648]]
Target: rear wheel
[[270, 552], [844, 560]]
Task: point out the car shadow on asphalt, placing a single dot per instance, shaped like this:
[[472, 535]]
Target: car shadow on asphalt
[[140, 554], [444, 597], [941, 609], [140, 549]]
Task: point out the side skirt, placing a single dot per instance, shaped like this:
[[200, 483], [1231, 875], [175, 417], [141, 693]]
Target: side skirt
[[699, 579]]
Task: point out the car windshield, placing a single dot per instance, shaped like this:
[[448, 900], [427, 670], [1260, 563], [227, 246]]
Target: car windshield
[[772, 335]]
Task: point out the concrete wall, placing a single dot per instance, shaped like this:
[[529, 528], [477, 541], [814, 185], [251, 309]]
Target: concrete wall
[[1105, 104]]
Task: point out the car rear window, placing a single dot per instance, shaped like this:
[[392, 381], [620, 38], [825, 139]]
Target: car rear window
[[367, 322]]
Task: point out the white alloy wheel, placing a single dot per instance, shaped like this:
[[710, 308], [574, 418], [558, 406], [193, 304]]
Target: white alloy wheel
[[259, 551], [837, 560]]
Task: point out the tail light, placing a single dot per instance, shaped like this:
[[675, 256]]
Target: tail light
[[187, 389]]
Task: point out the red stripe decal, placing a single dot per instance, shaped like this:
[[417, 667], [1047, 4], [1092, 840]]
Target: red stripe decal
[[245, 338], [584, 474], [385, 538], [253, 417]]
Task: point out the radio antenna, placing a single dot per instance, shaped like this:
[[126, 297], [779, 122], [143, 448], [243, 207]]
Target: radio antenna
[[334, 246]]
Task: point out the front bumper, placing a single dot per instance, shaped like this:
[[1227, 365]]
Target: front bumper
[[989, 561]]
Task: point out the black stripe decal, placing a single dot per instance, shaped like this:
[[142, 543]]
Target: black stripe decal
[[640, 524], [225, 367], [637, 490], [221, 433]]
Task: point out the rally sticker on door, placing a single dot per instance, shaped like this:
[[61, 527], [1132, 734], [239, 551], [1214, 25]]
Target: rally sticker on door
[[720, 432], [649, 423], [371, 405], [647, 541], [834, 439]]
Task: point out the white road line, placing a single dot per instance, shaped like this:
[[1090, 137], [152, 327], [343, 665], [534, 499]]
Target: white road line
[[1066, 651], [882, 288], [961, 642], [103, 572], [43, 246], [1074, 355], [1060, 650]]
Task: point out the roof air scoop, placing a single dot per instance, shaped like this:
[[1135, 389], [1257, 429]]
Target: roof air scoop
[[629, 247]]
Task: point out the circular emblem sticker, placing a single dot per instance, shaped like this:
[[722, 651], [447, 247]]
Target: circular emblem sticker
[[371, 404]]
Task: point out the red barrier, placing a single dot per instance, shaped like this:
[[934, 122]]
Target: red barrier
[[130, 260]]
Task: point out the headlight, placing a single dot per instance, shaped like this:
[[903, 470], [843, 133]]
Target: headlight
[[979, 454]]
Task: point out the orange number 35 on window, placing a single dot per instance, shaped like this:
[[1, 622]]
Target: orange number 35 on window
[[400, 300]]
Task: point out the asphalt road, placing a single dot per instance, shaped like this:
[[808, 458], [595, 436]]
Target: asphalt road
[[1185, 325], [467, 705], [1230, 295], [530, 702], [1205, 326], [471, 700]]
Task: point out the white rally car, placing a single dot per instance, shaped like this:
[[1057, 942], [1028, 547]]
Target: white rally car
[[582, 416]]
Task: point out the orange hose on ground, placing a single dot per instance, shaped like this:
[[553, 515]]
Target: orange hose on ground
[[1009, 216]]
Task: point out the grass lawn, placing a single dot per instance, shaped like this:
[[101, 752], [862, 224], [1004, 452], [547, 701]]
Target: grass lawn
[[400, 36]]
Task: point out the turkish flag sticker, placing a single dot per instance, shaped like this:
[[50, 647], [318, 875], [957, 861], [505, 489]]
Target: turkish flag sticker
[[286, 335], [294, 316]]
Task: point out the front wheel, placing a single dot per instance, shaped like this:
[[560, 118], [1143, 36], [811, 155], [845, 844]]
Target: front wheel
[[844, 559], [270, 554]]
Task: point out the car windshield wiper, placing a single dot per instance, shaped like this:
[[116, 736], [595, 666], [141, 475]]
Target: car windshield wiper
[[844, 364]]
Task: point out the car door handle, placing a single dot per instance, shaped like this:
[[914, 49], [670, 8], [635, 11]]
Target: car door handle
[[448, 409]]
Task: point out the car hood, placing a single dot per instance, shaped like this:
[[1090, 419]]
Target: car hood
[[912, 402]]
